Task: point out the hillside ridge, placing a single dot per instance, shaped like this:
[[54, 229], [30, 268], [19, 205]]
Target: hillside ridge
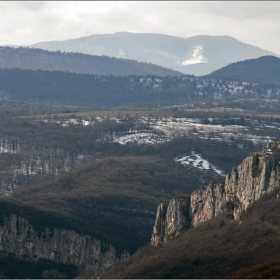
[[74, 62], [99, 91], [265, 69]]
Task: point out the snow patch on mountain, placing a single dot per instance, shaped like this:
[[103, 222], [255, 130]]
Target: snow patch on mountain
[[197, 57], [121, 53], [197, 161]]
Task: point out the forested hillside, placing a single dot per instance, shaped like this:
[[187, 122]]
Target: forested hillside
[[265, 69], [41, 147], [95, 91], [37, 59], [86, 173], [118, 196]]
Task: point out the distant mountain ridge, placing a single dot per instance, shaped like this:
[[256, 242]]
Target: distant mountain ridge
[[197, 55], [265, 69], [37, 59]]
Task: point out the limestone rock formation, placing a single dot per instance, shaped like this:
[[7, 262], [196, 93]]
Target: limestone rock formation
[[62, 246], [171, 219], [257, 174], [159, 226]]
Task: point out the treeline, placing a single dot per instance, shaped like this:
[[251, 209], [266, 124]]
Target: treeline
[[93, 91], [230, 105], [11, 109]]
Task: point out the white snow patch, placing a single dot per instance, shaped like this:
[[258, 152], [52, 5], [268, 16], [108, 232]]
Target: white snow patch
[[140, 138], [197, 57], [199, 162], [121, 53]]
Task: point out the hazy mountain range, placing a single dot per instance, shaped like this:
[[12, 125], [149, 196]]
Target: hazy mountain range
[[197, 55]]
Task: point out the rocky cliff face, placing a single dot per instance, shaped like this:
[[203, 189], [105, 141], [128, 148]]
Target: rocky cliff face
[[171, 219], [257, 174], [62, 246]]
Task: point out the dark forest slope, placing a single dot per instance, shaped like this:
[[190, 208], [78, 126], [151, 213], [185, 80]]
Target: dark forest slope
[[266, 270], [37, 59], [71, 89], [113, 199], [99, 91], [215, 249], [265, 69]]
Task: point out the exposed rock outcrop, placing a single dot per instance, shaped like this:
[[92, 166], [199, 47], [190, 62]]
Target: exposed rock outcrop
[[171, 219], [159, 226], [62, 246], [257, 174]]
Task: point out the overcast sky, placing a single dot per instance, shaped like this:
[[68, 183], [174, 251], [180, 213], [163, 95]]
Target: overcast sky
[[253, 22]]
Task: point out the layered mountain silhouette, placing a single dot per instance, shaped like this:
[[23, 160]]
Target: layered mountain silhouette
[[265, 69], [37, 59], [197, 55]]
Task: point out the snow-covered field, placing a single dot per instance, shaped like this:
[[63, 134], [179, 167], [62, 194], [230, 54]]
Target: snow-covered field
[[165, 129], [154, 131], [160, 130], [140, 138]]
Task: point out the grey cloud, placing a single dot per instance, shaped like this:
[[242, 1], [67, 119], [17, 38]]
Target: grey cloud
[[253, 22], [32, 5]]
